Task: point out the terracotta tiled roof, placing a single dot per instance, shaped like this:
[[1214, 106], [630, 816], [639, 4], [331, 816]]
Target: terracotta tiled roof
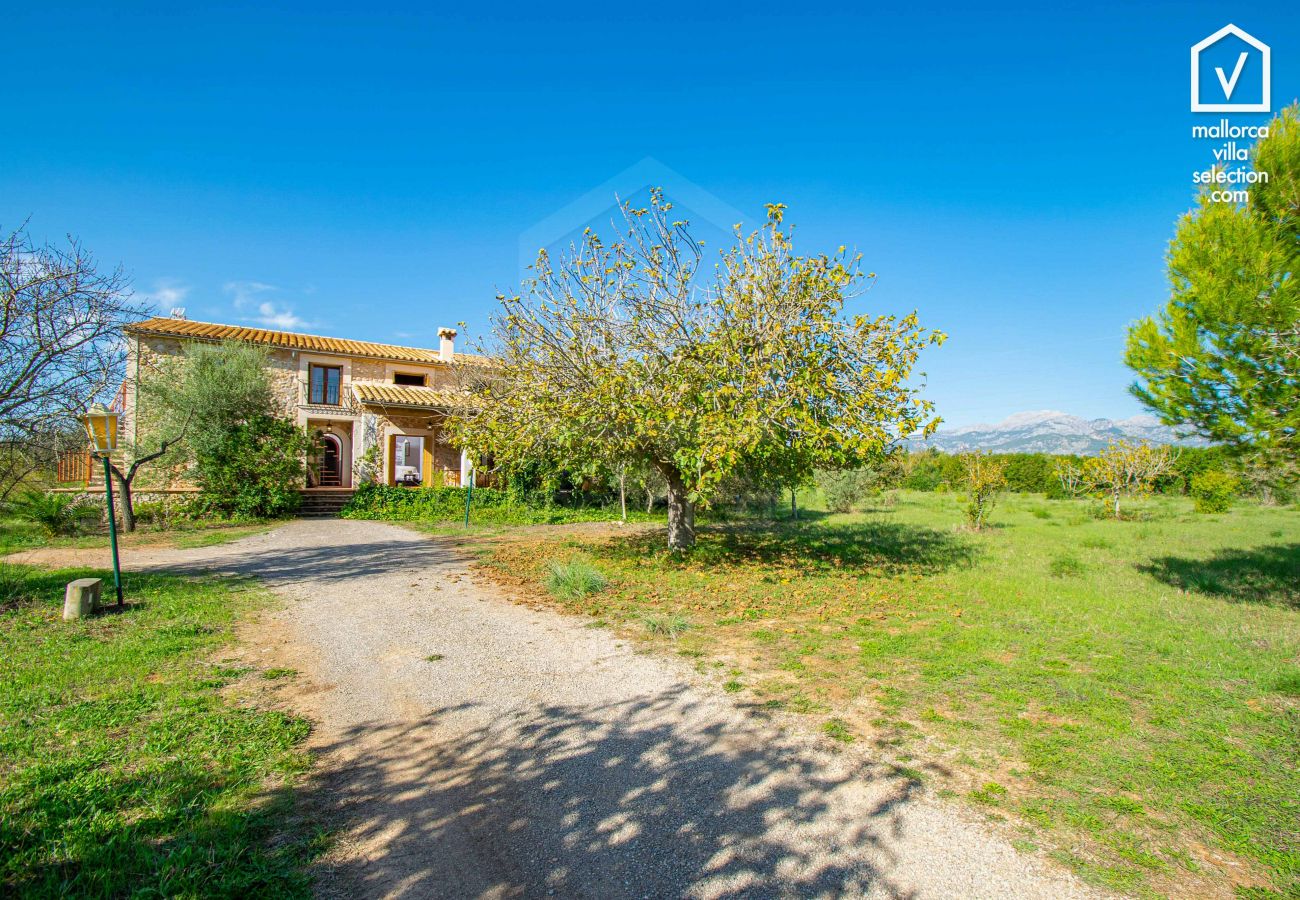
[[405, 395], [208, 331]]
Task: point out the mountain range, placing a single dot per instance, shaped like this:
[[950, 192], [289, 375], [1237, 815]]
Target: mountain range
[[1050, 431]]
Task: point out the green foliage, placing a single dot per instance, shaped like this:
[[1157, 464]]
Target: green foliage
[[1192, 461], [983, 476], [447, 504], [247, 460], [55, 514], [209, 390], [621, 355], [1123, 469], [127, 773], [576, 579], [253, 470], [1223, 356], [1212, 492], [844, 489], [1027, 473]]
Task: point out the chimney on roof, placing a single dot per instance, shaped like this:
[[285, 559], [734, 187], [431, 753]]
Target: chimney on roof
[[446, 344]]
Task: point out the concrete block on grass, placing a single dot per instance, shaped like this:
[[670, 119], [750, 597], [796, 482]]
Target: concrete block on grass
[[81, 598]]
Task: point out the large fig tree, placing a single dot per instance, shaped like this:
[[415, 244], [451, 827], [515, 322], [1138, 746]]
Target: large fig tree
[[631, 353]]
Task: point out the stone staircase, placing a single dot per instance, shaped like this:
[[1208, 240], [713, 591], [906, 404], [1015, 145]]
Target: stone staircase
[[323, 504]]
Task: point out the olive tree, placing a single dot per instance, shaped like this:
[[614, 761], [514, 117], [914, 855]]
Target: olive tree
[[629, 353]]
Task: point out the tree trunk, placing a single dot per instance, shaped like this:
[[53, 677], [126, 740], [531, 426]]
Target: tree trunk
[[124, 497], [622, 491], [1117, 504], [681, 514], [794, 508]]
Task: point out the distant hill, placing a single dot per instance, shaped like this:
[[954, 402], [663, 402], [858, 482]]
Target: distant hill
[[1050, 431]]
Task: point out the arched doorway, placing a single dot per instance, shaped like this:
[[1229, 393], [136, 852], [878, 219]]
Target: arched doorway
[[331, 463]]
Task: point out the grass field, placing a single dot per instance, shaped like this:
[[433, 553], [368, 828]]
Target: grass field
[[124, 768], [18, 535], [1126, 695]]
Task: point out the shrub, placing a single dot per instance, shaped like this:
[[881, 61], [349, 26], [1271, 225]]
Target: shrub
[[447, 504], [984, 476], [54, 514], [1212, 491], [843, 489], [254, 470], [575, 579]]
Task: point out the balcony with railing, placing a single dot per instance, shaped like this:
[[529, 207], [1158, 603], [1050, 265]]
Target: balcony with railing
[[327, 400]]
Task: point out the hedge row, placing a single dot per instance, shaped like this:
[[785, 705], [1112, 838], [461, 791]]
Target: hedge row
[[1035, 473], [447, 504]]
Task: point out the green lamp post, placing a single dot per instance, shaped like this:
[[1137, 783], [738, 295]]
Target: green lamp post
[[101, 428]]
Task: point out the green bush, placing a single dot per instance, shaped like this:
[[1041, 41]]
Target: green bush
[[254, 470], [55, 514], [843, 489], [447, 504], [430, 504], [1212, 491]]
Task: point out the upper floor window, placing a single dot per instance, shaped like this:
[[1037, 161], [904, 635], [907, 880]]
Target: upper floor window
[[323, 384], [409, 378]]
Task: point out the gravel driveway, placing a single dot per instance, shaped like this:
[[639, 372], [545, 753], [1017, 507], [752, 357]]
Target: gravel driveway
[[534, 756]]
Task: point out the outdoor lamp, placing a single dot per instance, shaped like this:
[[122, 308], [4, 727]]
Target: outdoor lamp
[[101, 428]]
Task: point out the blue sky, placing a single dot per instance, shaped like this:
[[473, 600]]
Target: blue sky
[[1013, 173]]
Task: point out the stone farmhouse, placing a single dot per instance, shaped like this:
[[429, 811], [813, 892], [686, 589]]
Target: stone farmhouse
[[353, 395]]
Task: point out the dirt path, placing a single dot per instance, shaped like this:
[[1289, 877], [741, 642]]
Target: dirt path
[[534, 756]]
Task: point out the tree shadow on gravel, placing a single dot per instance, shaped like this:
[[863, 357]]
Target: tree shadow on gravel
[[330, 562], [888, 548], [1268, 575], [648, 798]]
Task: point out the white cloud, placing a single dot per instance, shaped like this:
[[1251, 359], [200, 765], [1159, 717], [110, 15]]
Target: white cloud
[[245, 293], [260, 304], [283, 318], [166, 294]]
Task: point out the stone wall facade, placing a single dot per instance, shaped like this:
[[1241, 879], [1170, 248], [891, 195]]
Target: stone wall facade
[[356, 428]]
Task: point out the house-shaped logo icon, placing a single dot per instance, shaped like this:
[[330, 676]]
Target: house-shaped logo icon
[[1244, 74]]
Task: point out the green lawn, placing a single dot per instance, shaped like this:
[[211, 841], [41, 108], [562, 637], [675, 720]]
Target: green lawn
[[124, 770], [16, 535], [1127, 694]]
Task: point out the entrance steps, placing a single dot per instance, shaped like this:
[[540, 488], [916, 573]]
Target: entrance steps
[[323, 503]]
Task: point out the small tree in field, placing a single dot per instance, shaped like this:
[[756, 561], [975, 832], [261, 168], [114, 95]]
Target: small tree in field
[[984, 477], [622, 353], [1124, 470]]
